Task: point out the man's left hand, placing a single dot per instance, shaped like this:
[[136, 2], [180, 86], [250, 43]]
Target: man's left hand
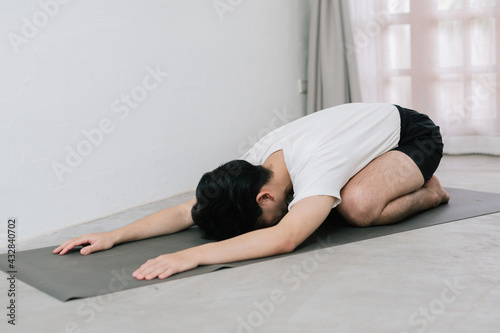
[[165, 266]]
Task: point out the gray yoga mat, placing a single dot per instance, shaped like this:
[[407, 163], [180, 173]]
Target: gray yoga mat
[[75, 276]]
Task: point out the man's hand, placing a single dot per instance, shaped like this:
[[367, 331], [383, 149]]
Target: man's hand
[[95, 242], [165, 265]]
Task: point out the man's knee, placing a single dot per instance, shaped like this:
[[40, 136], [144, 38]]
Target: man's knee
[[359, 209]]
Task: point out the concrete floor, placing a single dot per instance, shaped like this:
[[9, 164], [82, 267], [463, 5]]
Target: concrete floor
[[444, 278]]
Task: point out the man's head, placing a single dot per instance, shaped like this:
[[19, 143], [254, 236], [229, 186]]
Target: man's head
[[229, 200]]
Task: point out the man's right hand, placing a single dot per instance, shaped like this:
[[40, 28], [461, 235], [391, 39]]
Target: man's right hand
[[91, 242]]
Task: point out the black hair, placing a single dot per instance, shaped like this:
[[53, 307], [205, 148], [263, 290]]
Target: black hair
[[226, 199]]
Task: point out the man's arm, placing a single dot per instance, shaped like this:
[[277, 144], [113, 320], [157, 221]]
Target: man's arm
[[302, 220], [166, 221], [163, 222]]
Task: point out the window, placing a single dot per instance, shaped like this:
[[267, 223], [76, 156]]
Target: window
[[436, 56]]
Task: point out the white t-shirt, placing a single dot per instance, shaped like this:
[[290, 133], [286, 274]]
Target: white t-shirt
[[325, 149]]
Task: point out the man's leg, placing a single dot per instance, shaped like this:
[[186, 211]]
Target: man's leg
[[387, 190]]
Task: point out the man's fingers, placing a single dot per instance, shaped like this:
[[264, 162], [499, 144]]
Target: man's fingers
[[165, 274], [157, 272], [154, 273], [57, 249], [141, 272], [87, 250], [68, 245], [62, 246], [146, 270], [67, 248], [152, 269]]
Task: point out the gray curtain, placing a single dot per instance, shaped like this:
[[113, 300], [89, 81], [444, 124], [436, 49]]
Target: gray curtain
[[332, 77]]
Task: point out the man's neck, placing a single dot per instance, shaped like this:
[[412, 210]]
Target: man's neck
[[280, 182]]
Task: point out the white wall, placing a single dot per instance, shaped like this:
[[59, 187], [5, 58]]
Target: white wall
[[232, 76]]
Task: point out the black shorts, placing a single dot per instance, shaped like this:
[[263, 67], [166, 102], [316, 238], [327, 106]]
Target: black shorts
[[421, 140]]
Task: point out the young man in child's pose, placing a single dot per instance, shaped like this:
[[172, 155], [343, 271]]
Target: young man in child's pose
[[373, 162]]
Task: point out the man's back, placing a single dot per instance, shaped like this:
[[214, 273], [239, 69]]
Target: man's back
[[325, 149]]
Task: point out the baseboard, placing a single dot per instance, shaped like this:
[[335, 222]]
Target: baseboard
[[472, 144]]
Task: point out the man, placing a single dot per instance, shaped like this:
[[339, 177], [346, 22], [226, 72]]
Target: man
[[373, 162]]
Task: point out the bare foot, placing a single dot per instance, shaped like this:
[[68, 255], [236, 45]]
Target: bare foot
[[434, 185]]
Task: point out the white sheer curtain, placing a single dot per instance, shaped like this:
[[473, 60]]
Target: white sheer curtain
[[439, 57]]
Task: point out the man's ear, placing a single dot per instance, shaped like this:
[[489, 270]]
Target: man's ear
[[264, 196]]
